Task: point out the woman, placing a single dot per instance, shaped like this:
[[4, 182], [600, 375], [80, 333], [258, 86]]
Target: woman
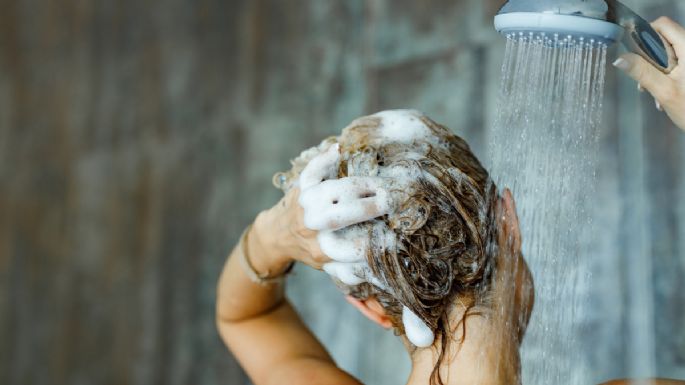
[[416, 235], [464, 329]]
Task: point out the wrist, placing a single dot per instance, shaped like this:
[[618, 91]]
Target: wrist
[[263, 246]]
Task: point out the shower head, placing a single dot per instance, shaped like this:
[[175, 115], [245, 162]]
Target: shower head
[[605, 21]]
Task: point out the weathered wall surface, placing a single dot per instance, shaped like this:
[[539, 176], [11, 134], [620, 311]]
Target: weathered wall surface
[[138, 138]]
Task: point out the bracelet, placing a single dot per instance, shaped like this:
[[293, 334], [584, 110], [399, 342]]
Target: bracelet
[[263, 279]]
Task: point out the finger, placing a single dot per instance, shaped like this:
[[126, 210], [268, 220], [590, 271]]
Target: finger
[[336, 217], [332, 205], [653, 80], [332, 192], [317, 255], [322, 167], [347, 189], [673, 32], [346, 245]]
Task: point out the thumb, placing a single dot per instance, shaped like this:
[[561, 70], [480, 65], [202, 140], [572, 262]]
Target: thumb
[[644, 73]]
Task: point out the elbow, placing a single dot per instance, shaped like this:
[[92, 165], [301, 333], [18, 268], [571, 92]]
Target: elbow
[[223, 314], [223, 328], [225, 324], [227, 314]]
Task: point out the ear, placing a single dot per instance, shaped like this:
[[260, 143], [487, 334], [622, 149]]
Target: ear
[[509, 221], [372, 309]]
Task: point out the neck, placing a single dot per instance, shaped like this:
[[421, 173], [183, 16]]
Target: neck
[[487, 356]]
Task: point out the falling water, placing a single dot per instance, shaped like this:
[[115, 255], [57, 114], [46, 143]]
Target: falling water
[[544, 148]]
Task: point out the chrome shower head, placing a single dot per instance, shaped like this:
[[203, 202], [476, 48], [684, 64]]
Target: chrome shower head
[[605, 21]]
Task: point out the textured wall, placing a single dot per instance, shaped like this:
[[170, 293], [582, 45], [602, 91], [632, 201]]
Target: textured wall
[[138, 138]]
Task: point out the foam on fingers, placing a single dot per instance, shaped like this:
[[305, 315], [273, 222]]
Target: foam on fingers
[[346, 245], [335, 204], [322, 167]]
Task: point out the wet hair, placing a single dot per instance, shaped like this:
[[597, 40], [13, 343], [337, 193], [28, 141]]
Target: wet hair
[[445, 244]]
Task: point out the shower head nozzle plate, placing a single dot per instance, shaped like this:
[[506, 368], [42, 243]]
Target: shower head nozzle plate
[[556, 24]]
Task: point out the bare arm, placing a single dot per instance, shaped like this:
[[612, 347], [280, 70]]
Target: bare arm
[[256, 322]]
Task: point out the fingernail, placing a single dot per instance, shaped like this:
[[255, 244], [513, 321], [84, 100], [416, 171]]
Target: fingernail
[[621, 63], [640, 88], [658, 105]]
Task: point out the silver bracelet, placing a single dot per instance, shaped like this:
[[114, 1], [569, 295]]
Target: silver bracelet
[[262, 279]]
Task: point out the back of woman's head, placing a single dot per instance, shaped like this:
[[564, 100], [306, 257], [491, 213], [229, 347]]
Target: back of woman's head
[[442, 246]]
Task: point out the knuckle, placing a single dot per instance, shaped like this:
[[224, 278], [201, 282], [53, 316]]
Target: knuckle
[[670, 95], [640, 73], [662, 21], [301, 232]]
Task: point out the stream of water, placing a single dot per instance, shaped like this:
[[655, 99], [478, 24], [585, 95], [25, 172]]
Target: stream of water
[[544, 148]]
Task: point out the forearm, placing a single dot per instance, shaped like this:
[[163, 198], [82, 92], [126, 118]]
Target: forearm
[[255, 321], [238, 297]]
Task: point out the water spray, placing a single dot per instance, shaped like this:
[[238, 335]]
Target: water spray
[[545, 147]]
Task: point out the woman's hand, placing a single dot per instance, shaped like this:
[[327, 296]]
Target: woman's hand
[[289, 231], [668, 90], [279, 237]]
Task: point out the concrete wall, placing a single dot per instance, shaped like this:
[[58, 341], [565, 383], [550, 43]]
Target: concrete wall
[[138, 138]]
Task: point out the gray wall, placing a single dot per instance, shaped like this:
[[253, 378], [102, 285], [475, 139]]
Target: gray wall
[[138, 138]]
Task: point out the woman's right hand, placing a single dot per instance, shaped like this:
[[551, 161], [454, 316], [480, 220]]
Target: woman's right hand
[[290, 230], [668, 90]]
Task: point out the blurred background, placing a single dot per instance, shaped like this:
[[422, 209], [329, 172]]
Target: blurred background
[[138, 139]]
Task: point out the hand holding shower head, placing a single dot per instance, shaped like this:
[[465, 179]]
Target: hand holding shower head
[[641, 38], [605, 21]]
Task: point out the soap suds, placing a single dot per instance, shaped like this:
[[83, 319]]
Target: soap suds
[[346, 245], [350, 274], [349, 254], [416, 330], [335, 204], [340, 209], [403, 126], [321, 167]]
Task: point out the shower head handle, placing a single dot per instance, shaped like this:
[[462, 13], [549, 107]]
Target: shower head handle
[[641, 38]]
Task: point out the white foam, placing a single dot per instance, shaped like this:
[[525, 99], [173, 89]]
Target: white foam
[[348, 248], [403, 126], [323, 166], [346, 245], [416, 330], [350, 274], [331, 205], [335, 204]]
